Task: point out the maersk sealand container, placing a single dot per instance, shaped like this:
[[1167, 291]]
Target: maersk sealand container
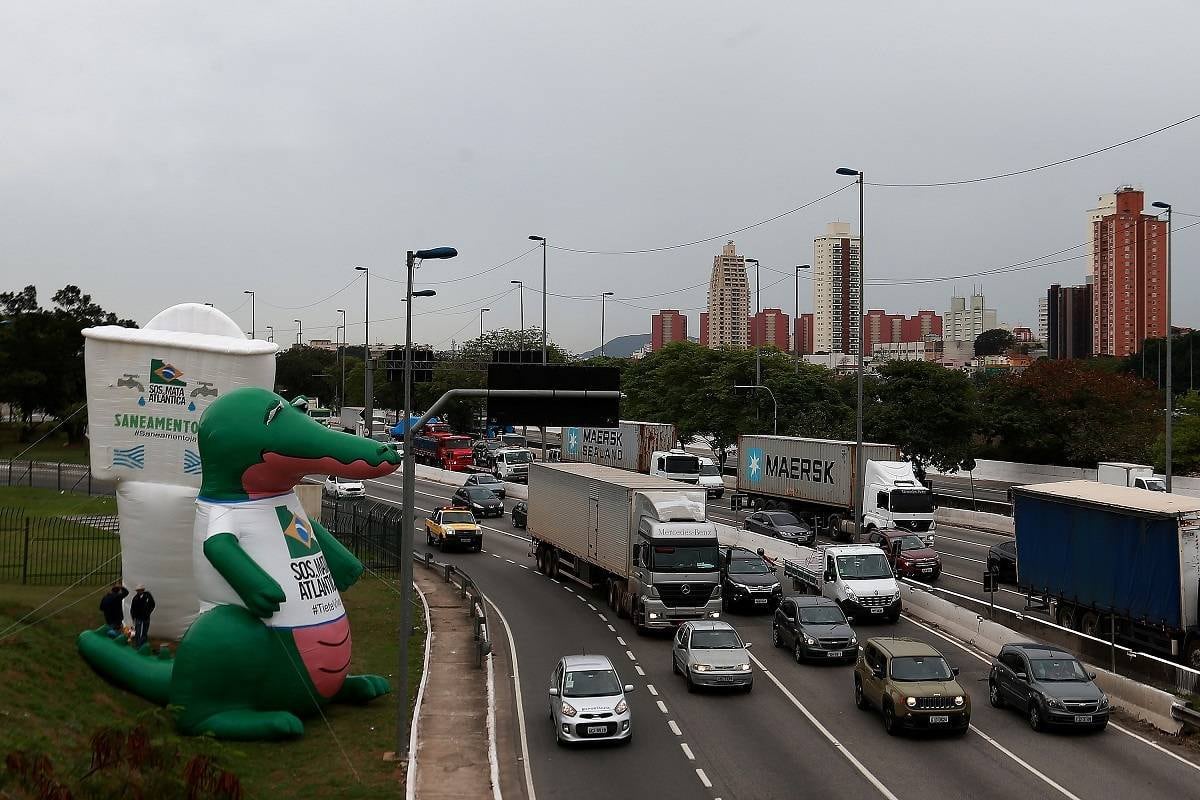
[[1103, 554], [627, 446]]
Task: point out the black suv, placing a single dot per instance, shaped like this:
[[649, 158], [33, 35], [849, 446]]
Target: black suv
[[1049, 686], [747, 580], [814, 628]]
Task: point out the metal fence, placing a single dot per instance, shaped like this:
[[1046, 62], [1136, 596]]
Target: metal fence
[[370, 530], [58, 550], [476, 603], [59, 475]]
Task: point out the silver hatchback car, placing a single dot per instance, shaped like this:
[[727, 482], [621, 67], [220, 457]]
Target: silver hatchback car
[[587, 701], [710, 653]]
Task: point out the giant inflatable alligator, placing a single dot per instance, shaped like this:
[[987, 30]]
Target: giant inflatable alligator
[[272, 642]]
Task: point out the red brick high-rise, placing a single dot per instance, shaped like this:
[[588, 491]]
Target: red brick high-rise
[[770, 327], [667, 326], [1129, 266], [880, 327], [704, 328], [803, 334]]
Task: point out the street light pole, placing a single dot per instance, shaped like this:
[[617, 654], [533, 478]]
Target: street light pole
[[522, 285], [299, 332], [757, 318], [545, 360], [342, 357], [767, 389], [1170, 395], [408, 498], [482, 311], [368, 413], [270, 333], [796, 319], [859, 463], [603, 296], [253, 328]]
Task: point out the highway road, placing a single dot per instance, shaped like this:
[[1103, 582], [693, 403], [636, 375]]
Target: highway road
[[798, 733]]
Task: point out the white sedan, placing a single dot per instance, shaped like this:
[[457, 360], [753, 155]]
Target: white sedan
[[342, 488]]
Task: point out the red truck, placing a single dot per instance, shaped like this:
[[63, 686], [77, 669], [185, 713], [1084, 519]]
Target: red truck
[[443, 450]]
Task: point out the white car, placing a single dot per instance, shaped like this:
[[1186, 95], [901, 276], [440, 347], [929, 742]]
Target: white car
[[587, 701], [343, 488]]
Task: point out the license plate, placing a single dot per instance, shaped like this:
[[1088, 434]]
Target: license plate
[[876, 610], [940, 719], [726, 680], [594, 729], [927, 569], [760, 601], [1083, 717], [834, 654]]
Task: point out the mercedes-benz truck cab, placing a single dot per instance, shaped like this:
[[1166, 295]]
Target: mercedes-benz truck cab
[[676, 464], [894, 498]]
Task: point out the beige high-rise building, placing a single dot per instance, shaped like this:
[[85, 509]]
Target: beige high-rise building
[[728, 301], [837, 291]]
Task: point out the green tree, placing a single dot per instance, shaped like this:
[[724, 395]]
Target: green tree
[[994, 342], [1185, 438], [929, 411], [308, 371]]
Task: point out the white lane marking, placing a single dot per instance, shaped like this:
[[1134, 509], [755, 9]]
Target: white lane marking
[[703, 778], [602, 618], [554, 580], [947, 554], [630, 654], [941, 537], [522, 566], [621, 642], [639, 670], [592, 607], [493, 555], [582, 599], [568, 588], [493, 756], [662, 706], [410, 786], [674, 728], [687, 751], [1032, 769], [512, 648], [650, 688], [509, 560], [829, 737], [1111, 724], [611, 628]]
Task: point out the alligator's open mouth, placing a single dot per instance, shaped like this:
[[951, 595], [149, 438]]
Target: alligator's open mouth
[[278, 473]]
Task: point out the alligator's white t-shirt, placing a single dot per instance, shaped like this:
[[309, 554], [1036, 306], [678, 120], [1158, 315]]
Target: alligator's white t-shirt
[[276, 533]]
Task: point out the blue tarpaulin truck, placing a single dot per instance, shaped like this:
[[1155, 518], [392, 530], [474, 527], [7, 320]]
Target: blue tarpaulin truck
[[1114, 560]]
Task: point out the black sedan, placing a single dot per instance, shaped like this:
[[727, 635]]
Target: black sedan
[[1049, 686], [1002, 560], [487, 481], [520, 514], [814, 628], [480, 500], [782, 525]]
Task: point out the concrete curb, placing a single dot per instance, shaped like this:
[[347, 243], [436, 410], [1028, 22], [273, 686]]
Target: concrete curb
[[975, 520], [1144, 702], [410, 780]]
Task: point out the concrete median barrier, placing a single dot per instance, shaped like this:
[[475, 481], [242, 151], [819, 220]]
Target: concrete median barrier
[[975, 520]]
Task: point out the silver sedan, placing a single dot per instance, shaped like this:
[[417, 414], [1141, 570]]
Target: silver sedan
[[710, 653], [587, 701]]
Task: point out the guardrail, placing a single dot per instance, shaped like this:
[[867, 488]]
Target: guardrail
[[1143, 667], [476, 607]]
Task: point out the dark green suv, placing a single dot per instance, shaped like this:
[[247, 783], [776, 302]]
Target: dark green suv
[[912, 685]]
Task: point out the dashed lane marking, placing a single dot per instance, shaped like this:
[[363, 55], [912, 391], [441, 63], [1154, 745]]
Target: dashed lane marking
[[662, 706], [592, 607], [687, 751], [630, 654], [674, 728], [522, 566], [509, 560], [703, 778], [621, 641], [650, 688], [611, 628], [602, 618], [639, 670]]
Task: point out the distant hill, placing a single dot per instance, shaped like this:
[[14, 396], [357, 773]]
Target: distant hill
[[620, 347]]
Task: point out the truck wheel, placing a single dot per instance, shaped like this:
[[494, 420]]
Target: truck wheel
[[539, 557], [552, 564], [1065, 616], [1191, 653], [612, 595], [1089, 623], [429, 537], [834, 524]]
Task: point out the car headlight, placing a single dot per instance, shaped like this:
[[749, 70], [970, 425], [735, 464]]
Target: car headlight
[[744, 667], [911, 702], [958, 701], [1104, 701], [701, 667], [810, 641], [568, 710], [850, 595], [652, 591], [775, 586], [621, 707], [1053, 702], [716, 591], [853, 640]]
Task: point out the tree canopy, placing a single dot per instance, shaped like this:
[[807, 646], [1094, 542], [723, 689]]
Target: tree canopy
[[994, 342]]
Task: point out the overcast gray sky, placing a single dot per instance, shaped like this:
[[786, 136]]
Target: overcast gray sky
[[161, 152]]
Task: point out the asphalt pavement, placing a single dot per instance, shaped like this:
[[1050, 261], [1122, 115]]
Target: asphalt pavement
[[798, 733]]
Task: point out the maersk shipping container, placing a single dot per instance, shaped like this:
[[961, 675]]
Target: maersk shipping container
[[1112, 549], [817, 471], [627, 446], [587, 509]]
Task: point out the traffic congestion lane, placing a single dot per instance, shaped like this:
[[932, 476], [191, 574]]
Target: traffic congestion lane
[[1029, 765], [547, 621]]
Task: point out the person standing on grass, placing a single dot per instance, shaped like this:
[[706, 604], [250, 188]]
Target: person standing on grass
[[111, 606], [140, 608]]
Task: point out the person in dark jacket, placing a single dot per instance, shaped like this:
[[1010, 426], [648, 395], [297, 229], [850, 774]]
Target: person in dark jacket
[[140, 608], [111, 606]]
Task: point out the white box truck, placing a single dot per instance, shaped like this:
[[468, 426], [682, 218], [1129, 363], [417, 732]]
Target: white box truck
[[644, 540], [857, 577], [817, 477], [1134, 476]]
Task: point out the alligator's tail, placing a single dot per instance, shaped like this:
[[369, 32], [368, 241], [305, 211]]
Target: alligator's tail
[[140, 672]]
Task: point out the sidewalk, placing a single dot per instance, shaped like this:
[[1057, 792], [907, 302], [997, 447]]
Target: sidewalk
[[452, 738]]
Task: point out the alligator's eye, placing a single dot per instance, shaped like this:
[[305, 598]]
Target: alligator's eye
[[272, 411]]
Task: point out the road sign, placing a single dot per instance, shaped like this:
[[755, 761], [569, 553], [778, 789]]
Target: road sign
[[542, 411]]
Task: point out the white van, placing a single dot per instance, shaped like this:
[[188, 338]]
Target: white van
[[710, 477], [676, 464]]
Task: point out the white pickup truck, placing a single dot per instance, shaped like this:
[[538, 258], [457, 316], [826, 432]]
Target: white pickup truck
[[858, 577]]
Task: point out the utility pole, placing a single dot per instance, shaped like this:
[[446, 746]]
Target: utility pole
[[253, 328], [342, 358], [1170, 342], [859, 461], [368, 413], [545, 359]]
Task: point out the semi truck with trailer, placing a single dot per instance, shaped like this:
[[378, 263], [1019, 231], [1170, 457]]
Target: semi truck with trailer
[[857, 577], [628, 446], [644, 540], [817, 477], [1113, 561]]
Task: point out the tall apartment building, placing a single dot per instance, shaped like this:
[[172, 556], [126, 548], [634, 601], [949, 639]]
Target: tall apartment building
[[728, 300], [880, 327], [1043, 324], [964, 322], [837, 290], [802, 335], [704, 329], [667, 326], [770, 327], [1069, 321], [1129, 281]]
